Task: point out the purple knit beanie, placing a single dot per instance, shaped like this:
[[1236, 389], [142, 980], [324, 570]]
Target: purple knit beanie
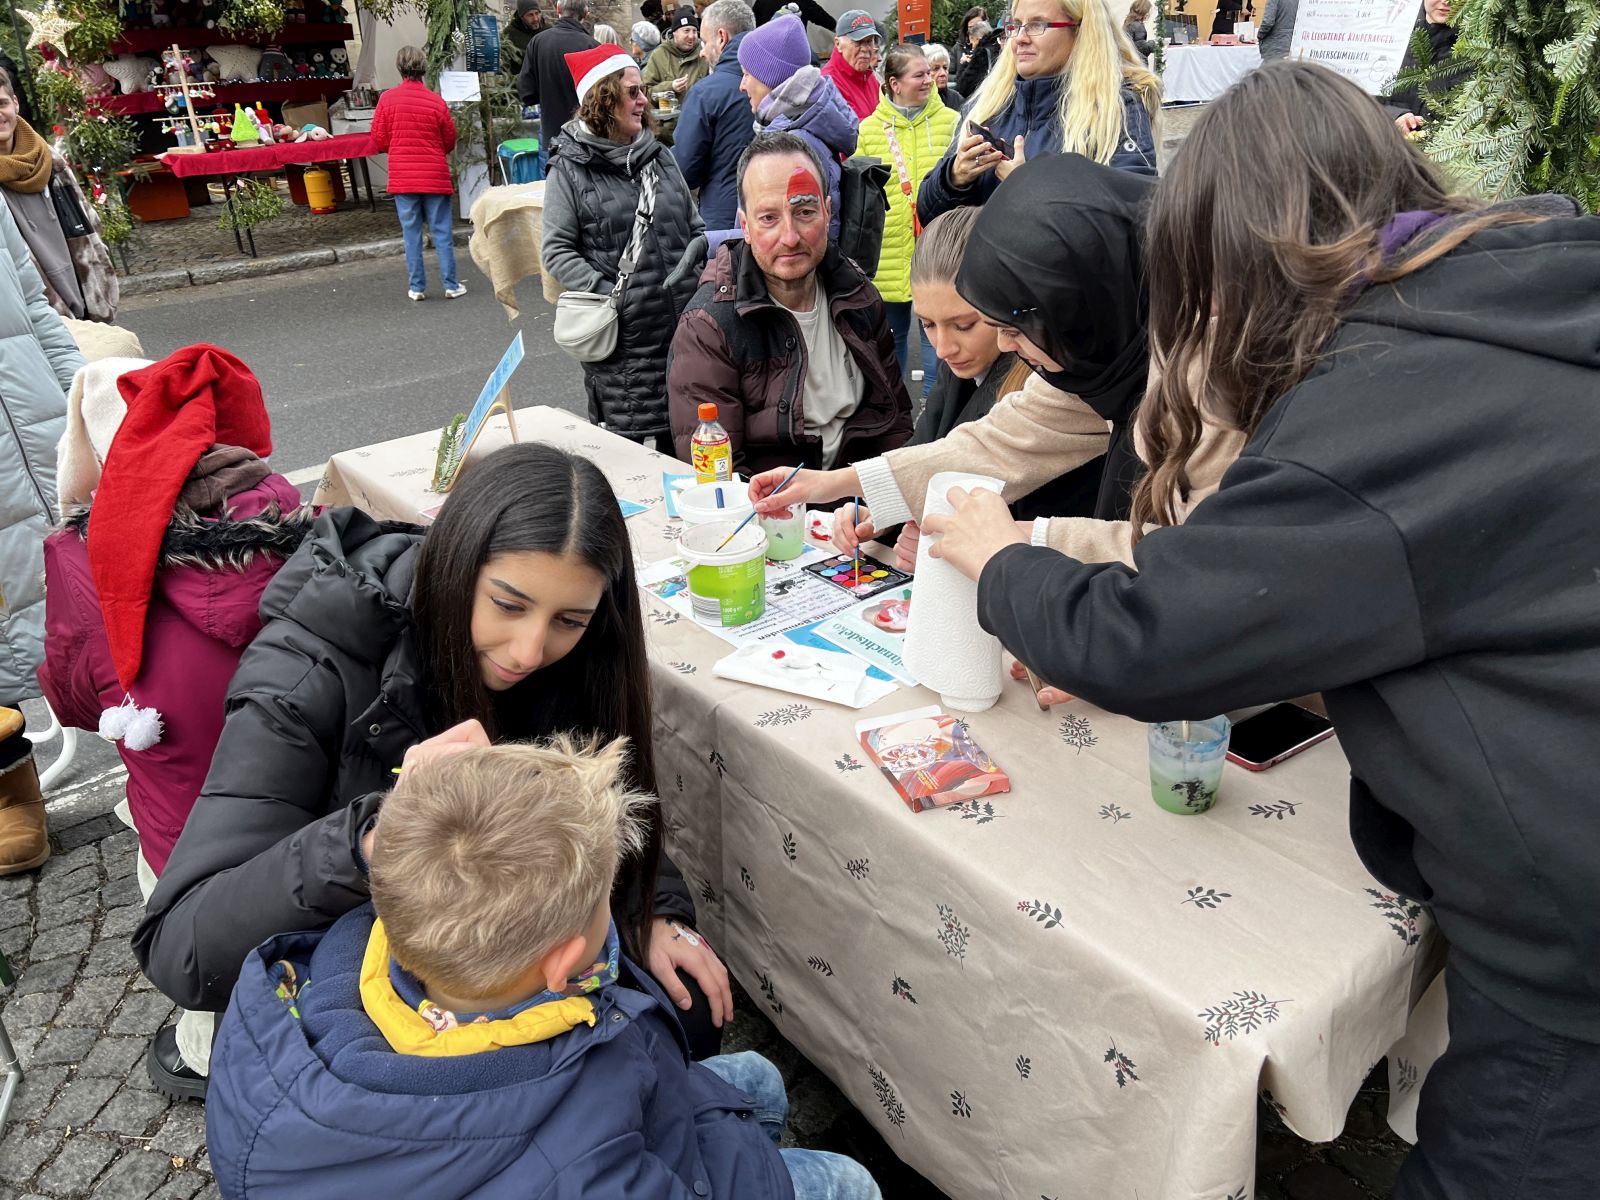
[[776, 50]]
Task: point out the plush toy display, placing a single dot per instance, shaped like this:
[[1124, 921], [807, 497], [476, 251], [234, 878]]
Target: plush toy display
[[341, 61], [302, 65], [312, 133], [275, 65], [237, 62], [95, 80], [319, 65], [132, 72]]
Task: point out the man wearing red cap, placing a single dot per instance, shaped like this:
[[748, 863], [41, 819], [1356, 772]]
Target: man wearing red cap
[[856, 45]]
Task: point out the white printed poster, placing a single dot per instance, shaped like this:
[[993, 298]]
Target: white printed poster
[[1363, 40]]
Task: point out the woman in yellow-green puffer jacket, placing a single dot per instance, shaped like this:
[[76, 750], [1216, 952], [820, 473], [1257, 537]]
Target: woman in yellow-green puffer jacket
[[910, 131]]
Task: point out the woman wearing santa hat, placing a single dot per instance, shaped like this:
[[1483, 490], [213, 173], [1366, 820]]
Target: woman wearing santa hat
[[174, 526], [609, 174]]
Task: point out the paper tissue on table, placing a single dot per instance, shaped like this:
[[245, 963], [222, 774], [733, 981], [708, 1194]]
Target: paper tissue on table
[[819, 674], [930, 758], [946, 648]]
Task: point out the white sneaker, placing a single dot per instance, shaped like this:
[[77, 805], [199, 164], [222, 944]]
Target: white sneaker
[[413, 295], [456, 292]]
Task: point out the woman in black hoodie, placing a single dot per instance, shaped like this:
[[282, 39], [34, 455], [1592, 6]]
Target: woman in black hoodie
[[1411, 532]]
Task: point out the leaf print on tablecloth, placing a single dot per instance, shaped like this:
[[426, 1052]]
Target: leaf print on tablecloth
[[1204, 897], [953, 935], [1114, 813], [959, 1106], [789, 714], [820, 966], [708, 893], [973, 810], [858, 868], [773, 1002], [1078, 733], [1282, 809], [684, 668], [892, 1108], [789, 846], [680, 784], [847, 763], [1245, 1013], [1122, 1064], [1401, 913], [669, 617], [1241, 1194], [744, 878], [716, 761], [1024, 1065], [1406, 1075], [902, 989], [1041, 911]]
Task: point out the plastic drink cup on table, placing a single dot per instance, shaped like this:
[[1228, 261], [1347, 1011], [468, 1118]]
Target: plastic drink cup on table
[[1186, 759], [710, 451], [786, 536]]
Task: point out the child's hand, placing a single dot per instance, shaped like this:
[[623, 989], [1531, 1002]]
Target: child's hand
[[675, 947]]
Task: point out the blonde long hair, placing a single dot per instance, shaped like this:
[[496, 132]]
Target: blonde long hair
[[1090, 111]]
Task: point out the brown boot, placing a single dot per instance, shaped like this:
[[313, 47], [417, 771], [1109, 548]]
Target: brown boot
[[24, 839]]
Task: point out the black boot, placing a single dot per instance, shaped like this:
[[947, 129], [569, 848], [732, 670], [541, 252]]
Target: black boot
[[173, 1078]]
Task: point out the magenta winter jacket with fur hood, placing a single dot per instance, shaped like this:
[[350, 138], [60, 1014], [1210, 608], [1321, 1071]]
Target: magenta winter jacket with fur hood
[[204, 611]]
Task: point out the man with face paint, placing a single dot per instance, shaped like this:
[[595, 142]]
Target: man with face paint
[[785, 335]]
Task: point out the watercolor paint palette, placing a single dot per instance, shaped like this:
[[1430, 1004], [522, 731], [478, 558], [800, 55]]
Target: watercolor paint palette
[[862, 577]]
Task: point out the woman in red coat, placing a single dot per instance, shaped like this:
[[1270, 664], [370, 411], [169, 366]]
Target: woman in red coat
[[414, 126]]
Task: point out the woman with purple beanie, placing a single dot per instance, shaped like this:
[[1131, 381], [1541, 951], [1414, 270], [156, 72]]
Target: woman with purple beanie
[[787, 92]]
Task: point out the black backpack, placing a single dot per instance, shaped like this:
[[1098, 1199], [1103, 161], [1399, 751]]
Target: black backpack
[[862, 206]]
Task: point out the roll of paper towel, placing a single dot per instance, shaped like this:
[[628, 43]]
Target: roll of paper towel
[[945, 647]]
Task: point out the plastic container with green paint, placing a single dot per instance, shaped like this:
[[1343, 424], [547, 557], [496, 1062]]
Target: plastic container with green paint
[[727, 586]]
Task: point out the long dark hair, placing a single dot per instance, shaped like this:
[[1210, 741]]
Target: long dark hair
[[534, 497], [1266, 227]]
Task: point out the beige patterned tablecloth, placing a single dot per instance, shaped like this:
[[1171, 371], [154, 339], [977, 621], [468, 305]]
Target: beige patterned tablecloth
[[1062, 991]]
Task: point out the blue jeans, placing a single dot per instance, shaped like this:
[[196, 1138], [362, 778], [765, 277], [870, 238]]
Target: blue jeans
[[416, 208], [901, 318], [816, 1174]]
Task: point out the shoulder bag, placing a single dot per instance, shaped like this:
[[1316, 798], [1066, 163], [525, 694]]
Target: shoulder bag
[[586, 322]]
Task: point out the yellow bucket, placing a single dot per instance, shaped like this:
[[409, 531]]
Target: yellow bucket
[[319, 190]]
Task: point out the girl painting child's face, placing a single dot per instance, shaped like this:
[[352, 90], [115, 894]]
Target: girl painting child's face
[[530, 609]]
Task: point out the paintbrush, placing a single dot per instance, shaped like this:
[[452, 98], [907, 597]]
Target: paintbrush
[[855, 559], [752, 512]]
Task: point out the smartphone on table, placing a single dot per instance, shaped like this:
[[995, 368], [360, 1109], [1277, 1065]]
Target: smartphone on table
[[990, 136], [1275, 734]]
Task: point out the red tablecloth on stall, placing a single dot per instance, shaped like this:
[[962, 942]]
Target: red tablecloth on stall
[[267, 158]]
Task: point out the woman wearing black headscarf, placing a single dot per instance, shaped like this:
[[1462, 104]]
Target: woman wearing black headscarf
[[1054, 263]]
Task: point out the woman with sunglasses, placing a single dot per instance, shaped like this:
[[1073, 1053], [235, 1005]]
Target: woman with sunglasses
[[607, 174], [1067, 79]]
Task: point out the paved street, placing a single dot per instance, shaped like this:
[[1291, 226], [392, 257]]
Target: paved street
[[346, 360]]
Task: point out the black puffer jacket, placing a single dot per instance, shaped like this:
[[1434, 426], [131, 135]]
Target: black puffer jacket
[[325, 702], [589, 206]]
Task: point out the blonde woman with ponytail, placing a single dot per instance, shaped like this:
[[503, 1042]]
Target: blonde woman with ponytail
[[1067, 79]]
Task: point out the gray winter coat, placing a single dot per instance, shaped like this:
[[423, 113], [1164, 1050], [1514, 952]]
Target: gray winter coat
[[38, 359], [589, 206], [1276, 28]]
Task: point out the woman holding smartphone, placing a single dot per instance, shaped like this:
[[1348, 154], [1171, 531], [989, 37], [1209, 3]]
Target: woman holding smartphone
[[1410, 531], [1067, 79]]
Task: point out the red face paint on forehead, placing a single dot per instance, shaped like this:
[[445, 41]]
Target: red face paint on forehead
[[804, 188]]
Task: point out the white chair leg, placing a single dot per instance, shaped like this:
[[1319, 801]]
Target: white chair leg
[[69, 750]]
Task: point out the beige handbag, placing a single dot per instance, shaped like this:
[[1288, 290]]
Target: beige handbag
[[586, 322]]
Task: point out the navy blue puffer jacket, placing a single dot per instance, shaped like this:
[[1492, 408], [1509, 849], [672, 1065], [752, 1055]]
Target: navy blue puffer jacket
[[614, 1110]]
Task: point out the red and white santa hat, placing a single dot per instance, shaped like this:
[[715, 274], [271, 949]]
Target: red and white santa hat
[[590, 66]]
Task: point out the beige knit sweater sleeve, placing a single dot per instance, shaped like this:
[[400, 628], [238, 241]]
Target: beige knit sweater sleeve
[[1088, 540], [1028, 438]]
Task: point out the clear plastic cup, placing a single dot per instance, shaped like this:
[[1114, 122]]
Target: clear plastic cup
[[1186, 760], [786, 536]]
